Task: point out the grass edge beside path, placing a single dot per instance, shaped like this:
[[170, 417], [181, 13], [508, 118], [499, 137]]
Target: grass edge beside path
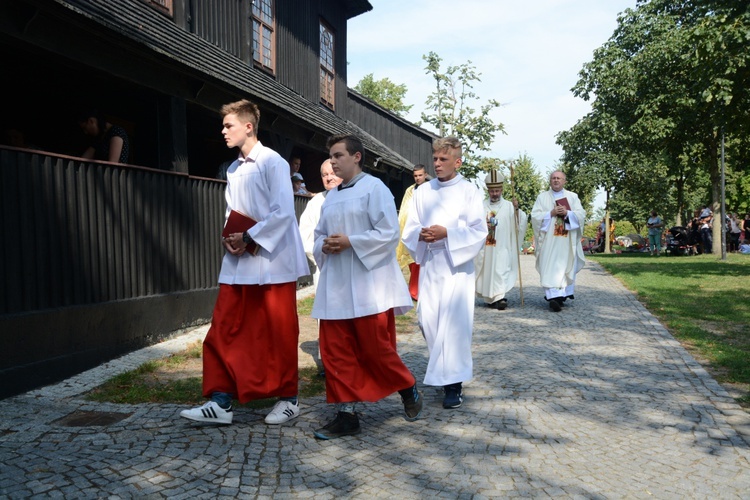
[[155, 381], [703, 303]]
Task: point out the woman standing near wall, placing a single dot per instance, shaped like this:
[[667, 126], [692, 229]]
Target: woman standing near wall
[[108, 142]]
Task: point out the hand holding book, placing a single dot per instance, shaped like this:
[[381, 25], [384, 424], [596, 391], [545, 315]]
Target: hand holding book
[[561, 202], [237, 222]]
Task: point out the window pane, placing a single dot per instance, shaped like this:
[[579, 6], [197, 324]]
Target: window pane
[[262, 9], [326, 48], [256, 40], [263, 26], [267, 39], [267, 17], [327, 73]]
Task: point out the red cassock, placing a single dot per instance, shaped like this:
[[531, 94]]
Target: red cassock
[[360, 358], [251, 348], [414, 280]]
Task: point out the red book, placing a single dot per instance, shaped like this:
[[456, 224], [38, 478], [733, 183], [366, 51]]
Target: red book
[[563, 202], [239, 223]]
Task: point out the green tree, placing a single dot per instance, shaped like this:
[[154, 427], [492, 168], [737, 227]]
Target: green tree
[[594, 158], [384, 92], [450, 110], [525, 185], [525, 182], [673, 78], [591, 156]]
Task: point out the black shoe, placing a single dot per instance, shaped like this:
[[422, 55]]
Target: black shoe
[[555, 305], [501, 304], [412, 400], [345, 424], [453, 396]]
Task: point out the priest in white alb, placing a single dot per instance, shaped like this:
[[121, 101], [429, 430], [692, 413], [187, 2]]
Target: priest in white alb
[[444, 231], [497, 263], [308, 221], [557, 219]]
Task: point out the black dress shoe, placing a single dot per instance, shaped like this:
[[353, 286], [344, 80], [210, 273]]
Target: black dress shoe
[[501, 304], [555, 305]]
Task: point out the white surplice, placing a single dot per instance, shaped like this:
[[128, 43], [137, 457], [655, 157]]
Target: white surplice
[[308, 221], [558, 257], [258, 186], [497, 263], [446, 279], [364, 279]]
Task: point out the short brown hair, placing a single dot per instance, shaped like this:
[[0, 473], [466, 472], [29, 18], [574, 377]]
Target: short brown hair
[[245, 111], [352, 143], [448, 143]]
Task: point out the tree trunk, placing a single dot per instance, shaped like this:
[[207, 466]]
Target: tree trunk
[[715, 176], [680, 184]]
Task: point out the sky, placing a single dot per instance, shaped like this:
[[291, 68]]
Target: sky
[[529, 54]]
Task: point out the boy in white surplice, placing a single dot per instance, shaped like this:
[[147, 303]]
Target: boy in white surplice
[[444, 231]]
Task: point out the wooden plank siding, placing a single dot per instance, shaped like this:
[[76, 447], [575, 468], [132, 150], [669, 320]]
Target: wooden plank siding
[[108, 232], [298, 42], [297, 39], [98, 259], [224, 23], [227, 24]]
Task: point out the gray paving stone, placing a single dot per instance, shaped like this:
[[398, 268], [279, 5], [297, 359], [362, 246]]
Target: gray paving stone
[[597, 401]]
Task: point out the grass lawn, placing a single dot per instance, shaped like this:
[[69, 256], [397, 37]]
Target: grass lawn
[[704, 301]]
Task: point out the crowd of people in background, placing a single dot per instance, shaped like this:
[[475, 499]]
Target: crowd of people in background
[[700, 231], [735, 230], [696, 237], [299, 187]]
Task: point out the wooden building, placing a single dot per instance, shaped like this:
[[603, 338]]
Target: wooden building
[[98, 258]]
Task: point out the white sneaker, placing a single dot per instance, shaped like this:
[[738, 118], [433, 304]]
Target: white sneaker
[[210, 412], [284, 411]]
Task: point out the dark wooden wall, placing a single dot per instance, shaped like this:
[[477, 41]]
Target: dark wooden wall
[[98, 259], [227, 24]]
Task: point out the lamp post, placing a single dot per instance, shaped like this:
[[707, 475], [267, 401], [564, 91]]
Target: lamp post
[[723, 204]]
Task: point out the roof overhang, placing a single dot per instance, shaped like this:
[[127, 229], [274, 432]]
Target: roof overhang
[[209, 63], [356, 7]]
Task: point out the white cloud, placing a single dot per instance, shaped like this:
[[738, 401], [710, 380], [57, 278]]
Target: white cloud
[[529, 55]]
